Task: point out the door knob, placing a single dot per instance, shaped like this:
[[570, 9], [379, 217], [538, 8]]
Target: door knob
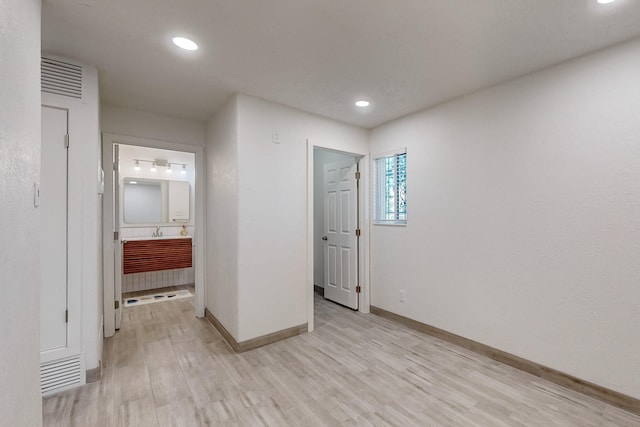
[[325, 238]]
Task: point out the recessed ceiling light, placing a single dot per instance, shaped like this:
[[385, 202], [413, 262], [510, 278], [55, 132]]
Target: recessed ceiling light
[[362, 103], [605, 1], [185, 43]]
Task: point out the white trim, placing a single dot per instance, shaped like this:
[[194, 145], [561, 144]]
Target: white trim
[[390, 153], [310, 266], [199, 235], [364, 256]]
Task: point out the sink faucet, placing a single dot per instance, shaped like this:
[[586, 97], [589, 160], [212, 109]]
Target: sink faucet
[[157, 233]]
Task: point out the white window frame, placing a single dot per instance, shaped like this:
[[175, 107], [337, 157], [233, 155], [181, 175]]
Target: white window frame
[[379, 187]]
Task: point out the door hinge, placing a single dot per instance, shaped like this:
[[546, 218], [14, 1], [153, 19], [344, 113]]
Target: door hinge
[[357, 232], [116, 235], [66, 316], [358, 289], [116, 304], [358, 175], [66, 141]]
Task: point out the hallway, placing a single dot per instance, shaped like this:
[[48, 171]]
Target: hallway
[[167, 368]]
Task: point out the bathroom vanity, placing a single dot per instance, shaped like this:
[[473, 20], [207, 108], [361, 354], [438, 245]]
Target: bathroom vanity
[[146, 254]]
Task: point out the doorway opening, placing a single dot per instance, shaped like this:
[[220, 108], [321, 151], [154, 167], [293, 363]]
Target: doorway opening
[[338, 232], [152, 224]]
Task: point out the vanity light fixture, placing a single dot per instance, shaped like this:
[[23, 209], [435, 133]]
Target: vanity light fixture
[[161, 163]]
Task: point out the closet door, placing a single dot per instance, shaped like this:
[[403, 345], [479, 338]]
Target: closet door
[[53, 231]]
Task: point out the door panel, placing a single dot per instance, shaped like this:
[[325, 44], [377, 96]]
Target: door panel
[[345, 211], [332, 205], [346, 281], [332, 259], [340, 230], [53, 230]]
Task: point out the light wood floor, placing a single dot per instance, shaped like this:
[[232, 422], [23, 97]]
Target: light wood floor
[[167, 368]]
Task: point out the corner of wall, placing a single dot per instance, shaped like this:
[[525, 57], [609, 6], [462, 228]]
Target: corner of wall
[[221, 214]]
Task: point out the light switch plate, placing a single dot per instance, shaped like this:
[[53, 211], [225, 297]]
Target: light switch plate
[[36, 194], [101, 181]]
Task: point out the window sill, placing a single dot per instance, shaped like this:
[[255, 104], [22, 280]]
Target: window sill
[[393, 224]]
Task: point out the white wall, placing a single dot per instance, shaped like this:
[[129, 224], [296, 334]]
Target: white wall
[[272, 210], [98, 301], [222, 216], [85, 135], [126, 121], [320, 158], [21, 404], [524, 218]]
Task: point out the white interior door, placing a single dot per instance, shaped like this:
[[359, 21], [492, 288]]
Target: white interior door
[[53, 230], [340, 223]]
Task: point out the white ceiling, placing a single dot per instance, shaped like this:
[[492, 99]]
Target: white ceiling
[[321, 55]]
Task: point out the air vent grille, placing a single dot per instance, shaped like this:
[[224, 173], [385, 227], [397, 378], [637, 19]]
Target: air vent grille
[[61, 78], [60, 374]]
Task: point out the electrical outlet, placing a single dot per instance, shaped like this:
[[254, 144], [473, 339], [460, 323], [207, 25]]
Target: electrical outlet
[[275, 138], [401, 295]]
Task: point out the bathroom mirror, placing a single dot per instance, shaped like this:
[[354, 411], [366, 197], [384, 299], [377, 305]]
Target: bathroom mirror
[[155, 201]]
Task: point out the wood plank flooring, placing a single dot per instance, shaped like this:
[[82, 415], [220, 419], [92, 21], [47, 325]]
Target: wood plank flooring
[[167, 368]]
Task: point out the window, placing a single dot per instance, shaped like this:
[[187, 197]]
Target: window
[[390, 188]]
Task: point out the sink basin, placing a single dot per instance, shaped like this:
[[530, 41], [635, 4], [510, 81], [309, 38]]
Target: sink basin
[[125, 239]]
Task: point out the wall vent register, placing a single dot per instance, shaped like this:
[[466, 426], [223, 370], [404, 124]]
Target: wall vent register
[[60, 375], [61, 78]]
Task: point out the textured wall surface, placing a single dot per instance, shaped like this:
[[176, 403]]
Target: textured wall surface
[[524, 218], [126, 121], [272, 214], [19, 169], [222, 216]]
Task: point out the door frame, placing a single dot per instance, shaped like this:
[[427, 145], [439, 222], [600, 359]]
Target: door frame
[[108, 141], [74, 241], [364, 213]]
